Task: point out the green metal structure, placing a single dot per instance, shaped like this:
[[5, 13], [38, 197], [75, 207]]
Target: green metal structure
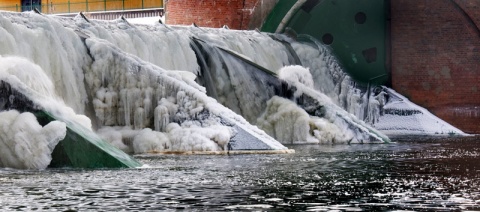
[[357, 32]]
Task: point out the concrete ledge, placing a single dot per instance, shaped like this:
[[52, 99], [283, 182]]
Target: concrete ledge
[[239, 152]]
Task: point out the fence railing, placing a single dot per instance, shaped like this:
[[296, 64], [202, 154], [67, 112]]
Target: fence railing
[[75, 6]]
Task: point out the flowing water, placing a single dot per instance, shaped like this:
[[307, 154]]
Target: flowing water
[[438, 175]]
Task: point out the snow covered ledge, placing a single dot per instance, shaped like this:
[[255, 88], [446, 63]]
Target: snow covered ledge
[[401, 117]]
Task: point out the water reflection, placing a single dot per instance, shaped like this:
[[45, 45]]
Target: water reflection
[[427, 176]]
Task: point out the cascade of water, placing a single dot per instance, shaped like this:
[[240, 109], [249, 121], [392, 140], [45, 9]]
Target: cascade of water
[[238, 86]]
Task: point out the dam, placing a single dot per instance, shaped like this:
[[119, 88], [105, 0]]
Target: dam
[[182, 108], [228, 90]]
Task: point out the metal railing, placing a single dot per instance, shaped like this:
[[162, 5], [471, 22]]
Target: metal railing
[[74, 6]]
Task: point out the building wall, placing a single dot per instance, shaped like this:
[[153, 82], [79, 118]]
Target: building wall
[[61, 6], [205, 13], [436, 57], [257, 13], [236, 14], [9, 5]]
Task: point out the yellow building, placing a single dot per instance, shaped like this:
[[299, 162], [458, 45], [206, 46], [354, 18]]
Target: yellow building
[[74, 6], [10, 5]]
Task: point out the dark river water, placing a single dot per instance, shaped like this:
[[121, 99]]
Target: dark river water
[[432, 175]]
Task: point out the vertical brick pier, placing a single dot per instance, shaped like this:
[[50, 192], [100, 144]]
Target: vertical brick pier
[[436, 57]]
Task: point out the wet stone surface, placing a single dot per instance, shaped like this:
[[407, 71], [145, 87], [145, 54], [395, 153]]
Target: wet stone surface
[[428, 176]]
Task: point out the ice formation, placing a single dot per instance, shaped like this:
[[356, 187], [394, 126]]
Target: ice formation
[[24, 143], [246, 87], [115, 73], [352, 130], [130, 101], [382, 107], [147, 20], [289, 123], [297, 74], [150, 97], [329, 77]]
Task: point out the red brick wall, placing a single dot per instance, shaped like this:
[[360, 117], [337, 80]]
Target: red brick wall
[[436, 57], [210, 13]]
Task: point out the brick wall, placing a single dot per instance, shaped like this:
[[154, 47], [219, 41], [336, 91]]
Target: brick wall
[[436, 58], [236, 14], [205, 13]]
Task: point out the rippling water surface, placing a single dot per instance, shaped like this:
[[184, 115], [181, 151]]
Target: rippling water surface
[[420, 176]]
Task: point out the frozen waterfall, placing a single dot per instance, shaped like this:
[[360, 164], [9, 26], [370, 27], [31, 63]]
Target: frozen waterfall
[[158, 88]]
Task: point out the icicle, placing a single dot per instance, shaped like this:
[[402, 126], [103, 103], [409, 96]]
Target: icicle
[[138, 119], [161, 118], [124, 116], [111, 100]]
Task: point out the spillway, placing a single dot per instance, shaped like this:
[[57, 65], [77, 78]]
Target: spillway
[[148, 89]]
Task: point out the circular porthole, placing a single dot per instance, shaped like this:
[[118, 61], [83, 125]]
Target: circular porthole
[[360, 18], [327, 38]]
